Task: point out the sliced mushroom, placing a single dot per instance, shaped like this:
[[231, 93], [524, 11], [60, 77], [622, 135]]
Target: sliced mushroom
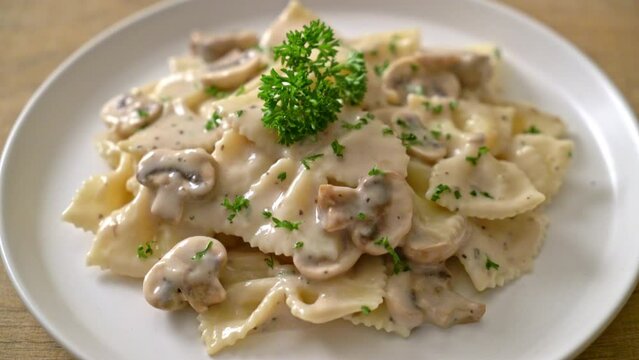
[[425, 144], [127, 113], [435, 73], [381, 206], [233, 70], [324, 268], [211, 47], [176, 176], [188, 273], [426, 295]]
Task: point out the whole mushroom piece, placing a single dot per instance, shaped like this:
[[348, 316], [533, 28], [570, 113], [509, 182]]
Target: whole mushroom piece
[[211, 47], [188, 273], [381, 206], [435, 73], [127, 113], [176, 176]]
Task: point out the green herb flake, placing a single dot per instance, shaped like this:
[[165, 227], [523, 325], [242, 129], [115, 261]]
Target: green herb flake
[[338, 149], [365, 310], [379, 69], [142, 113], [413, 67], [285, 224], [409, 139], [401, 123], [473, 159], [281, 176], [436, 134], [387, 131], [361, 216], [485, 194], [375, 171], [473, 193], [270, 261], [240, 90], [215, 92], [439, 190], [144, 251], [437, 109], [448, 136], [457, 194], [267, 214], [234, 207], [298, 245], [306, 95], [310, 159], [491, 265], [532, 130], [399, 265], [453, 105], [213, 122], [427, 105], [239, 113], [200, 254]]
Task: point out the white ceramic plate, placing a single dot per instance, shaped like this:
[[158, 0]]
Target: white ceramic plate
[[585, 272]]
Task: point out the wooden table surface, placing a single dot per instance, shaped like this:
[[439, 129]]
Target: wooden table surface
[[38, 34]]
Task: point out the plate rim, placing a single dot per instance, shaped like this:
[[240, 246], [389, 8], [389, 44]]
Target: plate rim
[[68, 344]]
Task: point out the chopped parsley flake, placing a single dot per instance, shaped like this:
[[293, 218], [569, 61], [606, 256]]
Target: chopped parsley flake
[[144, 251], [409, 139], [473, 193], [426, 105], [491, 265], [379, 69], [485, 194], [532, 130], [366, 310], [399, 265], [306, 95], [414, 67], [309, 159], [298, 245], [473, 159], [200, 254], [241, 90], [270, 262], [457, 194], [290, 226], [213, 122], [401, 123], [361, 121], [361, 216], [239, 203], [375, 171], [453, 105], [437, 109], [267, 214], [436, 134], [215, 92], [338, 149], [439, 190], [239, 113], [281, 176], [142, 113], [387, 131]]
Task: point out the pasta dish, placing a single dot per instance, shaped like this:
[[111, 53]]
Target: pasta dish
[[301, 173]]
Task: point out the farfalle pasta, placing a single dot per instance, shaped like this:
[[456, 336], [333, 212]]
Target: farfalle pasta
[[322, 177]]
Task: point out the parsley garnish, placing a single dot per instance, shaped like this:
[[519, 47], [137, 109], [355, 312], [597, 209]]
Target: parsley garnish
[[142, 113], [144, 251], [436, 134], [310, 158], [241, 90], [453, 105], [485, 194], [473, 159], [532, 130], [387, 131], [269, 261], [267, 214], [239, 113], [490, 264], [402, 123], [298, 245], [200, 254], [281, 176], [457, 194], [239, 203], [439, 190], [414, 67], [379, 69], [361, 121], [366, 310], [473, 193], [399, 265], [361, 216], [309, 91], [375, 171], [215, 92], [290, 226], [437, 109], [213, 122], [338, 148], [409, 139]]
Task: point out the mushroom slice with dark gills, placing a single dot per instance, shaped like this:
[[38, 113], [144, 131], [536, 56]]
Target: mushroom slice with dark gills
[[435, 73], [381, 206], [233, 70], [188, 273], [425, 144], [176, 176], [211, 47], [129, 112], [426, 295]]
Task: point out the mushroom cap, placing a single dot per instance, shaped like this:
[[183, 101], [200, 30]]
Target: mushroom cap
[[325, 268], [129, 112], [425, 146], [188, 273], [435, 73], [176, 176], [211, 47], [233, 70], [385, 202]]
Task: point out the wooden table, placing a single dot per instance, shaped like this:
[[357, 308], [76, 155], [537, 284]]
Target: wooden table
[[38, 34]]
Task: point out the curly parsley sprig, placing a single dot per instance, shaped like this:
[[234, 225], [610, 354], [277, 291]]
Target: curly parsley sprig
[[310, 89]]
